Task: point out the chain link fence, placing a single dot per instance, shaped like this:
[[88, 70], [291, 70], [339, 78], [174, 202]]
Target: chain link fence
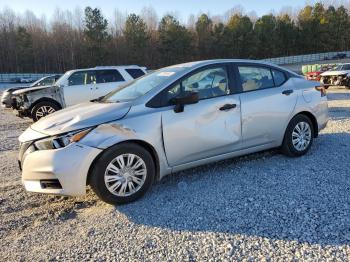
[[21, 77], [285, 60]]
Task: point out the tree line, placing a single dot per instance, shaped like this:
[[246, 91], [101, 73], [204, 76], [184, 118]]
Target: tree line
[[79, 39]]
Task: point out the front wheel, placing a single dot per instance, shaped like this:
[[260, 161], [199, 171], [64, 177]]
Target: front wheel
[[298, 137], [123, 174], [42, 109]]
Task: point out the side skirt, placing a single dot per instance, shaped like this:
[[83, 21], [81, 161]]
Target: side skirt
[[223, 157]]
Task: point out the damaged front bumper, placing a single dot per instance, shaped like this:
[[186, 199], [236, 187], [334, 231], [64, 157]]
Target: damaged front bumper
[[60, 171], [20, 107]]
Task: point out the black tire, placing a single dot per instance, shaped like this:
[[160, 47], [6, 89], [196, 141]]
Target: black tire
[[42, 109], [288, 147], [97, 178]]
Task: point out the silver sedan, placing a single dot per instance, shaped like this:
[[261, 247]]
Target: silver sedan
[[175, 118]]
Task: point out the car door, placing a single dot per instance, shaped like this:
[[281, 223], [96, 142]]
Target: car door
[[208, 128], [267, 101], [107, 80], [80, 87]]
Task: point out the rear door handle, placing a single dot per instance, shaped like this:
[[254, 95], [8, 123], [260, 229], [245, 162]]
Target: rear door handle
[[287, 92], [227, 107]]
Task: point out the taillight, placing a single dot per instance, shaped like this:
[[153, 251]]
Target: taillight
[[321, 89]]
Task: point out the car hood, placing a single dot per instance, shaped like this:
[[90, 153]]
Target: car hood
[[80, 116], [12, 89], [335, 73], [29, 89]]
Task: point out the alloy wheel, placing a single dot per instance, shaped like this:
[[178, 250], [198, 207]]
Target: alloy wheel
[[44, 111]]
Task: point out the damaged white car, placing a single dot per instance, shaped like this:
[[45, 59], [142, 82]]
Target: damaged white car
[[75, 86], [339, 76]]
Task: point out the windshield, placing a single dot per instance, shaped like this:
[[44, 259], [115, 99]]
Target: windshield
[[338, 67], [141, 86], [38, 81], [60, 81]]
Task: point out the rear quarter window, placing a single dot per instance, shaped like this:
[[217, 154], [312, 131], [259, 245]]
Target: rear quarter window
[[107, 76], [279, 77], [134, 72]]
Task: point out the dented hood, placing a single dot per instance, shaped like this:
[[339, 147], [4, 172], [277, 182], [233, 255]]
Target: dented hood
[[80, 116], [335, 73]]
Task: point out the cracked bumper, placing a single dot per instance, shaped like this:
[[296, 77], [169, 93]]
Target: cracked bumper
[[68, 166]]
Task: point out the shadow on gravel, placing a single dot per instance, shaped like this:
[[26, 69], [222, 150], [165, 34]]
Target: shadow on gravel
[[343, 94], [266, 194]]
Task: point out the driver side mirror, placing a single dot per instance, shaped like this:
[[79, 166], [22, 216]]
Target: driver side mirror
[[187, 98]]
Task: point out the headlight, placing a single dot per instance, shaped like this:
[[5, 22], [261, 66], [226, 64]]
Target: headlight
[[61, 141]]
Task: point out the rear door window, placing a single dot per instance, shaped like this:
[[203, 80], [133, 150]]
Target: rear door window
[[254, 78], [134, 72], [107, 76]]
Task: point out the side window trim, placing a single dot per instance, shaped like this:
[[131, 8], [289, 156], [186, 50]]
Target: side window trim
[[273, 79]]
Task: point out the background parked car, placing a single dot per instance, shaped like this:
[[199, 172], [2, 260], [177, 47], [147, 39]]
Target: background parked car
[[316, 75], [44, 81], [339, 56], [339, 76], [73, 87]]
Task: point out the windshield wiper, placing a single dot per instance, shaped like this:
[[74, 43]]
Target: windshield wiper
[[97, 99]]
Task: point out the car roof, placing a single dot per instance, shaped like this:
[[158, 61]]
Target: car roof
[[214, 61], [196, 64], [107, 67]]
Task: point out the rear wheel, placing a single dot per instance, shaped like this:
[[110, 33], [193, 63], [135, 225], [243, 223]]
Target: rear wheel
[[123, 174], [298, 137], [42, 109]]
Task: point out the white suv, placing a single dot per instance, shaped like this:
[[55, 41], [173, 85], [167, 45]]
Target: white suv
[[75, 86]]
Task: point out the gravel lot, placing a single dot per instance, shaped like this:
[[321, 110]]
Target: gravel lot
[[263, 205]]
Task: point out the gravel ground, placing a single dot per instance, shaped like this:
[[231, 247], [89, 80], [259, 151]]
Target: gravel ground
[[262, 206]]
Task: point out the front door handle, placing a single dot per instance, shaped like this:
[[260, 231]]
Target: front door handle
[[227, 107], [287, 92]]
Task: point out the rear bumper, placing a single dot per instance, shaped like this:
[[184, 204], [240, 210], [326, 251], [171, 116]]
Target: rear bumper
[[322, 115], [61, 171]]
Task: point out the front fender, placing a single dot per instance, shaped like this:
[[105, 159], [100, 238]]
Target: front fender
[[144, 128]]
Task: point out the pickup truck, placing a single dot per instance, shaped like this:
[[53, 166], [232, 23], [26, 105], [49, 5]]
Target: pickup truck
[[74, 87]]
